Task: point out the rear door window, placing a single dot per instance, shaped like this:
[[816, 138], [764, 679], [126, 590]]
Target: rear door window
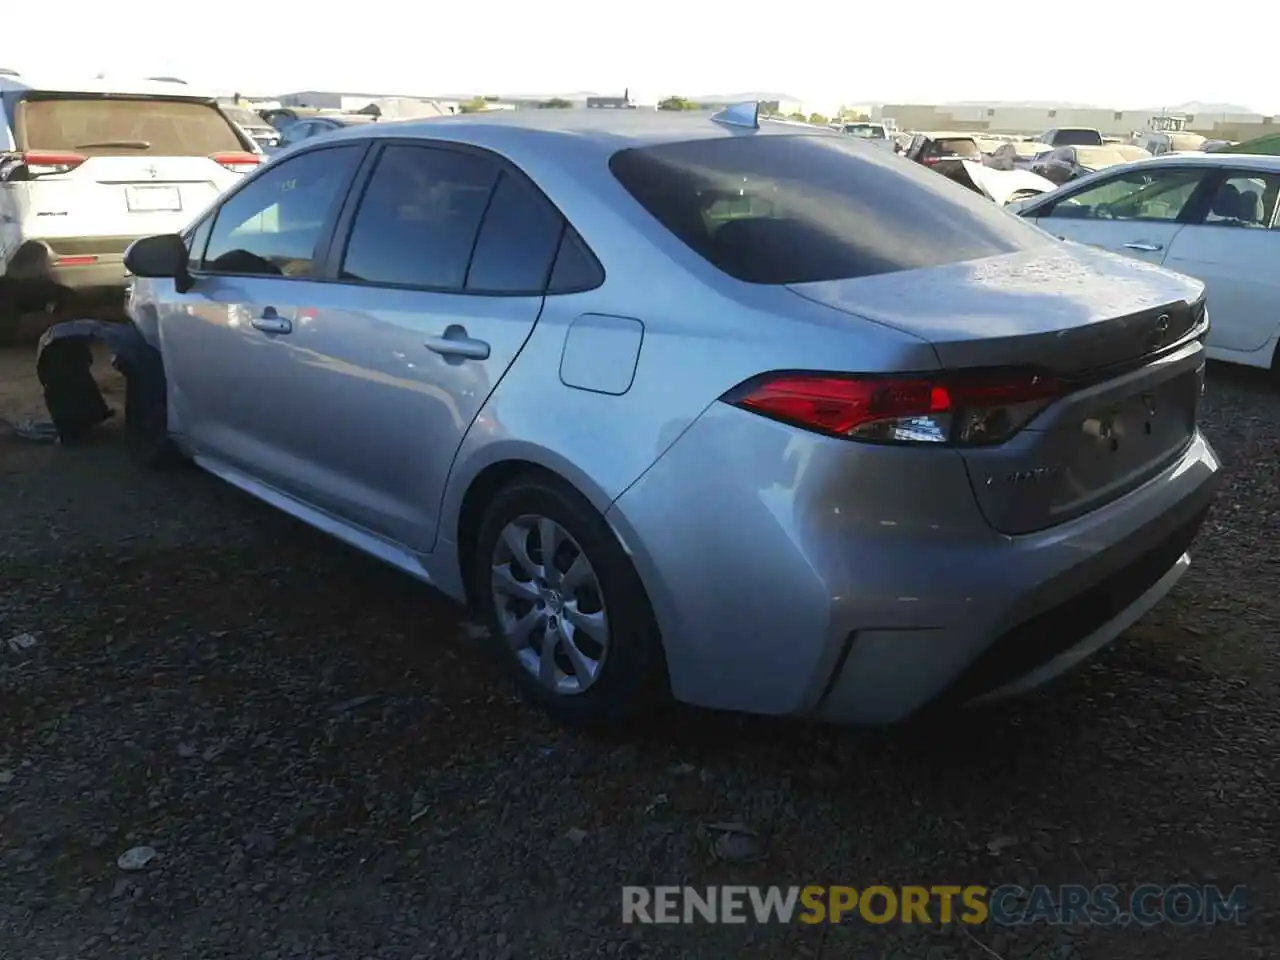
[[779, 209], [1245, 200], [272, 226], [419, 218], [118, 126]]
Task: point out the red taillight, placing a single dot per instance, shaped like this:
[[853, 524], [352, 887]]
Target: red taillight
[[83, 260], [965, 409], [238, 162], [930, 161], [46, 162]]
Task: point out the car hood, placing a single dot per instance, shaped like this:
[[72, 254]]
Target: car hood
[[1000, 185], [1062, 306]]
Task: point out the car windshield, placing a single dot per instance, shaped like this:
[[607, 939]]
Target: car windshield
[[246, 118], [97, 126], [1186, 141], [1029, 149], [1096, 158], [794, 208], [955, 147], [1079, 137]]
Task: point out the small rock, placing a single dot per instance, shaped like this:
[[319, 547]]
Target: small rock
[[23, 641], [186, 751], [576, 835], [122, 887], [348, 705], [1000, 844], [683, 769], [135, 858], [6, 777]]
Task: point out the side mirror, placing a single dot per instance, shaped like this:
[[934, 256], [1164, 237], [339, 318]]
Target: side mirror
[[164, 255]]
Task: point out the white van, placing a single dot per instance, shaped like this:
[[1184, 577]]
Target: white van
[[88, 167]]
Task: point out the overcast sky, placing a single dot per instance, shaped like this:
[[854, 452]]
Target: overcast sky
[[1126, 55]]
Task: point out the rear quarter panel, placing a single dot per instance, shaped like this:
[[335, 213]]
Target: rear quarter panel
[[703, 333]]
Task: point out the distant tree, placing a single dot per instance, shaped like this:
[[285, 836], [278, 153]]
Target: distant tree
[[850, 115], [677, 103], [796, 116], [555, 103], [474, 105], [818, 119]]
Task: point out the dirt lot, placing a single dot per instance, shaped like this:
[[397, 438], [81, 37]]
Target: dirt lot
[[329, 767]]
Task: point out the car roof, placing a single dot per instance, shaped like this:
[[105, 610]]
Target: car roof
[[603, 130], [1245, 161], [102, 85]]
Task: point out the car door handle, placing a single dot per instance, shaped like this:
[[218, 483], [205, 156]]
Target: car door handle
[[1144, 247], [456, 343], [271, 322]]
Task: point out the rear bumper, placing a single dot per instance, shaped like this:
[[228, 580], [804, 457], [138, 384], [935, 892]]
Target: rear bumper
[[797, 574], [73, 263]]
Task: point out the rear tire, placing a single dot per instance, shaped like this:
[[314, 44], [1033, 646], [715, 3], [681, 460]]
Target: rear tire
[[576, 629]]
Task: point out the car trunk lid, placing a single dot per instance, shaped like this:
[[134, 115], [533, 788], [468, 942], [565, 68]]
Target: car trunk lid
[[127, 196], [1121, 338]]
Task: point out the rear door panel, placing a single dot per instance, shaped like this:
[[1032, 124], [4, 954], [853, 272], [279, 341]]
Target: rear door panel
[[1234, 250]]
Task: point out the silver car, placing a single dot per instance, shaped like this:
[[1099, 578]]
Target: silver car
[[748, 413]]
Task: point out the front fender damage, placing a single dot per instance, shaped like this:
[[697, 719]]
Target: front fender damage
[[64, 361]]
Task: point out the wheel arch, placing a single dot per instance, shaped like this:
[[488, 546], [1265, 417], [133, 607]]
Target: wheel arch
[[473, 487]]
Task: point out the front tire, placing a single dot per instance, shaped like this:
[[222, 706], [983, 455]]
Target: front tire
[[565, 606], [146, 427]]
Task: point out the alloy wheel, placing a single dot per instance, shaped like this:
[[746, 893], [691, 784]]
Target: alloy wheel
[[549, 604]]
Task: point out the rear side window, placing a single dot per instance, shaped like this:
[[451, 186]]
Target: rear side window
[[817, 208], [517, 241], [116, 126], [419, 218], [576, 267]]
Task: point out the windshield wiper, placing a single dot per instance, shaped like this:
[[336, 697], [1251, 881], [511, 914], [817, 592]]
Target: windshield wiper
[[115, 144]]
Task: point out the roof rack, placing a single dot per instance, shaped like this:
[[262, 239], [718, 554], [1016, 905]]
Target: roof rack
[[740, 115], [7, 72], [167, 80]]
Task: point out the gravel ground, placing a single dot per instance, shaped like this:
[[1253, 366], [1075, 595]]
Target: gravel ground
[[329, 767]]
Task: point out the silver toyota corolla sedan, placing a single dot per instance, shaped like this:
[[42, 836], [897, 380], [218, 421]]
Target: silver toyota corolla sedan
[[746, 412]]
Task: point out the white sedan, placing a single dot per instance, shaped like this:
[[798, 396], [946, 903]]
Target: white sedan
[[1209, 215]]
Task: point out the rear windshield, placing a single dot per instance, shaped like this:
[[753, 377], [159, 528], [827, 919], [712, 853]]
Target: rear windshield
[[866, 131], [112, 126], [955, 147], [796, 209], [1068, 137], [246, 118]]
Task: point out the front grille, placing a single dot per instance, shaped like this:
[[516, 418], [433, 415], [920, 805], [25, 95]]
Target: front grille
[[1035, 642], [90, 246]]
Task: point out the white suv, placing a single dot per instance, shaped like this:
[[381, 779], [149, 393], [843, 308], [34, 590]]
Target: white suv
[[87, 168]]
